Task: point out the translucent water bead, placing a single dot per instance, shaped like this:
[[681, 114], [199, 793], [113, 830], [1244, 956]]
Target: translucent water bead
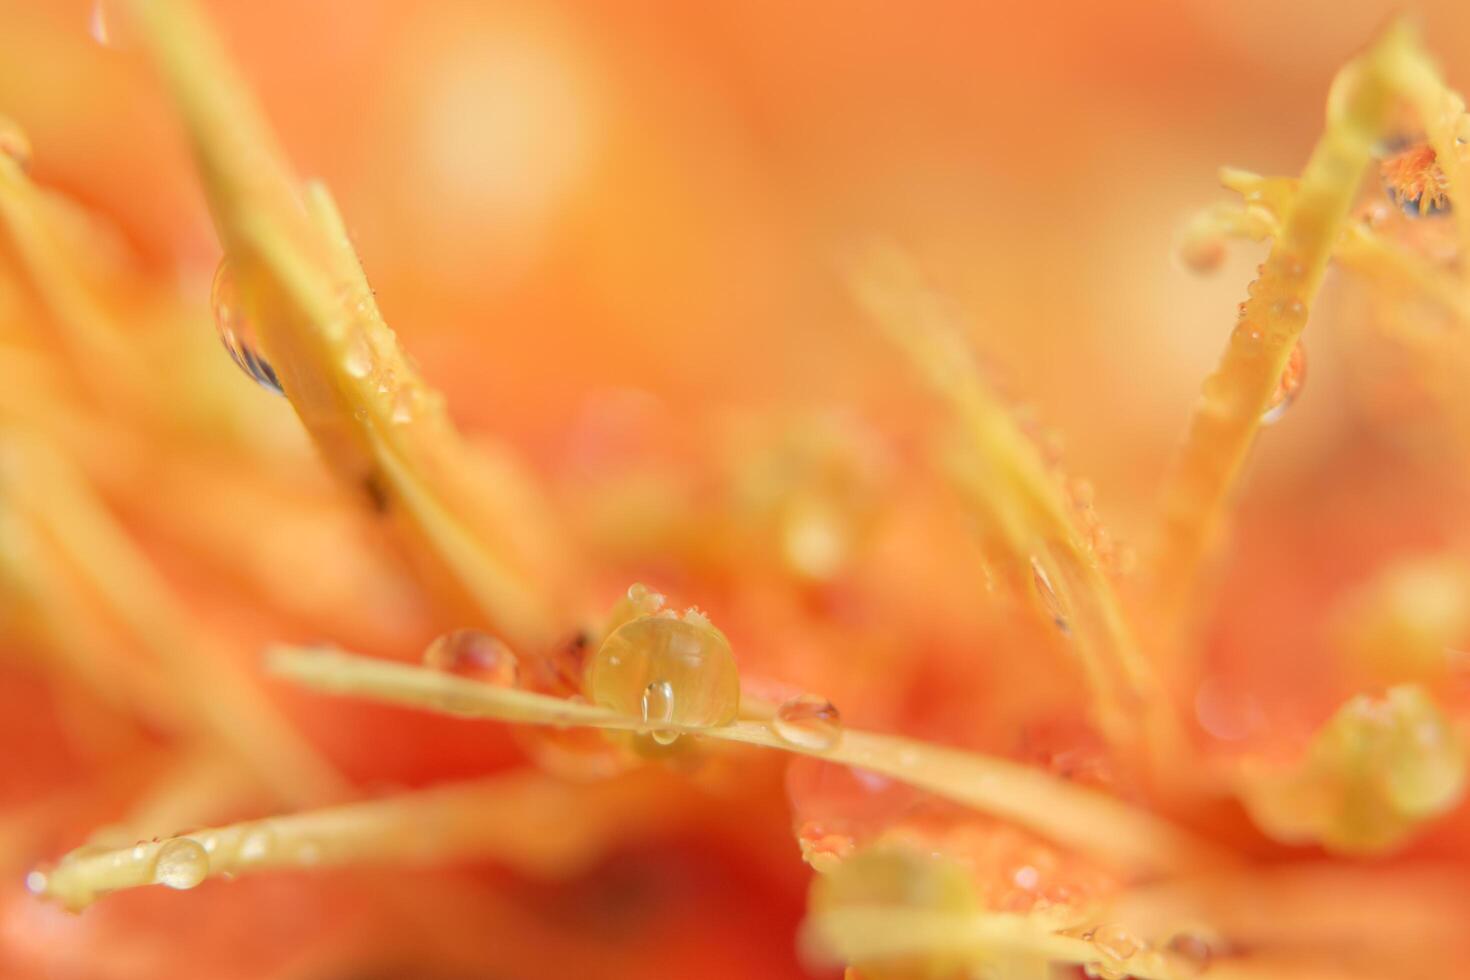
[[181, 863], [236, 331], [667, 671], [1287, 389], [474, 655], [810, 722]]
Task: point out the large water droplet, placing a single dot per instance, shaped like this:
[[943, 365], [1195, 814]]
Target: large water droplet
[[235, 330], [1288, 387], [36, 882], [810, 722], [473, 655], [688, 655], [657, 708], [181, 863]]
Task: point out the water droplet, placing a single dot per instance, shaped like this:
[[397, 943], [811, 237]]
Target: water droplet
[[688, 655], [810, 722], [256, 846], [15, 144], [1026, 877], [358, 360], [403, 404], [1050, 601], [1247, 332], [1114, 942], [657, 708], [1193, 952], [181, 863], [1116, 947], [1288, 387], [36, 882], [474, 655], [637, 602], [235, 331]]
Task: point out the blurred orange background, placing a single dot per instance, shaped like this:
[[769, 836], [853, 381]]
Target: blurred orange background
[[560, 203]]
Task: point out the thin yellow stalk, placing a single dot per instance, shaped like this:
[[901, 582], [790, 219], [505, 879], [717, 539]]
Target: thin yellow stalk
[[1004, 479], [1237, 393], [525, 820], [1361, 247], [871, 934], [1101, 826], [1360, 914], [878, 934], [477, 523]]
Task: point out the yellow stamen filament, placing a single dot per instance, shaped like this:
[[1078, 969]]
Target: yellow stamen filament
[[475, 521], [1005, 480], [1361, 247], [877, 934], [525, 820], [1235, 396], [1101, 826]]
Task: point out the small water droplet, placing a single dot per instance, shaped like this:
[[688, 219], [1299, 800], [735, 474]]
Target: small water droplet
[[474, 655], [1116, 947], [658, 708], [808, 721], [358, 360], [1050, 601], [235, 331], [1026, 877], [181, 863], [1114, 942], [403, 404], [1288, 387], [1193, 952], [36, 882], [1247, 332], [256, 846]]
